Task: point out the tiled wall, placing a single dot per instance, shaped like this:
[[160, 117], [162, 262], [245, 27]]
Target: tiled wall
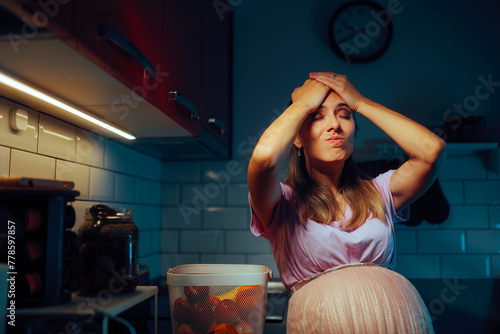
[[206, 220], [467, 244], [206, 216], [103, 171]]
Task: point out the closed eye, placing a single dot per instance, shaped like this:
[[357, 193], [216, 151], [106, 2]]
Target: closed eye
[[344, 112], [316, 116]]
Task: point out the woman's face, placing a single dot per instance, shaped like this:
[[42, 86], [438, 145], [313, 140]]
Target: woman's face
[[327, 135]]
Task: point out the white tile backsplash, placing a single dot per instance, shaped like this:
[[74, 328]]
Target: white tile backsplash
[[494, 213], [245, 242], [406, 242], [4, 161], [181, 217], [142, 165], [441, 242], [226, 218], [32, 165], [97, 166], [115, 157], [494, 164], [418, 266], [90, 148], [124, 188], [24, 140], [453, 191], [495, 265], [102, 185], [151, 218], [169, 241], [482, 192], [57, 138], [483, 242], [79, 174], [171, 194], [202, 242], [465, 266], [468, 167], [466, 216], [182, 172]]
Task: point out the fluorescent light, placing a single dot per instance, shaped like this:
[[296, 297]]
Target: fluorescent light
[[11, 82]]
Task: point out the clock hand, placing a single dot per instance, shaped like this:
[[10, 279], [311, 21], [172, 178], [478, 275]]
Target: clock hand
[[347, 25], [348, 38], [357, 32]]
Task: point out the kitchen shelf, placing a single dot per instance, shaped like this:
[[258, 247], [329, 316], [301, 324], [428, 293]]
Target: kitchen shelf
[[92, 306], [471, 147]]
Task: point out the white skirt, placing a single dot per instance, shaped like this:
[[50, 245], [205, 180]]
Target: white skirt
[[357, 299]]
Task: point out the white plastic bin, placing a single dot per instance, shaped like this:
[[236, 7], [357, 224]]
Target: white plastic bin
[[218, 298]]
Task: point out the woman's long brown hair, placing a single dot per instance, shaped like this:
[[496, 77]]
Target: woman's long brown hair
[[319, 201]]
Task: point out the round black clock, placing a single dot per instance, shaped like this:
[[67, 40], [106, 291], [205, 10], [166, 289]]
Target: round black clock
[[360, 31]]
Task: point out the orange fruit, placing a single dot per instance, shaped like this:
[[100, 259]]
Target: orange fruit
[[224, 329], [251, 301]]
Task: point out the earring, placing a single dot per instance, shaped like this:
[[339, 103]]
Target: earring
[[298, 152]]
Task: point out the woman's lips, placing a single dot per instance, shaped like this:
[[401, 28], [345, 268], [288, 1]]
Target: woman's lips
[[336, 140]]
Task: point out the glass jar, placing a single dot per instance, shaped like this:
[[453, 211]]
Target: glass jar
[[109, 251]]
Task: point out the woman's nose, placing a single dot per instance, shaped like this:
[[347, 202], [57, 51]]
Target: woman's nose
[[334, 124]]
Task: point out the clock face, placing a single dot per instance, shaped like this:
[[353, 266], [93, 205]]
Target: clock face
[[360, 31]]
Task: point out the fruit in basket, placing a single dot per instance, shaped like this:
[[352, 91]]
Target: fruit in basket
[[250, 300], [223, 329], [244, 327], [201, 316], [213, 301], [229, 295], [185, 329], [181, 310], [227, 311], [196, 293]]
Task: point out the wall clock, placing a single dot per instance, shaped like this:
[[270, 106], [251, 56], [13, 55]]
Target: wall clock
[[360, 31]]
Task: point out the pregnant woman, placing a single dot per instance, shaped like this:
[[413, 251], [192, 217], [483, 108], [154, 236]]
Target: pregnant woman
[[331, 229]]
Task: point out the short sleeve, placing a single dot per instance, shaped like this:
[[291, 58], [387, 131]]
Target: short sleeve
[[282, 212], [382, 182]]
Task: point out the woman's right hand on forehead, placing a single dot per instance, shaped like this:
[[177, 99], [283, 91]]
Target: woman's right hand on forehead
[[311, 94]]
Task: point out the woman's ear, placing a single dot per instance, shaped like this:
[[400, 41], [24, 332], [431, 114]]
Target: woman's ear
[[298, 142]]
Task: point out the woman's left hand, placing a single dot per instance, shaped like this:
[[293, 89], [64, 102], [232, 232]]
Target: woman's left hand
[[341, 85]]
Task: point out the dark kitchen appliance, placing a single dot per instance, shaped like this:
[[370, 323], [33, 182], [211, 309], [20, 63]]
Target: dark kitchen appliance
[[36, 240]]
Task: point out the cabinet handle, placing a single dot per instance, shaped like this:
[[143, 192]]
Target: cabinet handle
[[185, 107], [218, 125], [117, 38]]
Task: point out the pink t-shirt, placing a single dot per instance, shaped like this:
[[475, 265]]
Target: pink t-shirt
[[302, 250]]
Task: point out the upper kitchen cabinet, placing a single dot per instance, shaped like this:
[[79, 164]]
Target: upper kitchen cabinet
[[56, 16], [182, 36], [217, 69], [160, 69], [124, 37]]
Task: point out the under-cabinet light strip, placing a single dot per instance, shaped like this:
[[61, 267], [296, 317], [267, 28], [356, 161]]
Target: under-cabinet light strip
[[11, 82]]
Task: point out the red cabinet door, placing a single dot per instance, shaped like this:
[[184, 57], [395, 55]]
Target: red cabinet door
[[124, 37], [217, 70], [182, 62]]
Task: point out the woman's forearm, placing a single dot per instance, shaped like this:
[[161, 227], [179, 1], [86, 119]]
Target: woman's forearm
[[417, 141], [273, 147]]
